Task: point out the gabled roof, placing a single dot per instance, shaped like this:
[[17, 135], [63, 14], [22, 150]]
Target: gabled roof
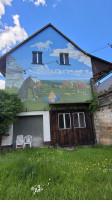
[[3, 57], [49, 25]]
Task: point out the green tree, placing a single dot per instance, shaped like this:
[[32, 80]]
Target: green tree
[[10, 106]]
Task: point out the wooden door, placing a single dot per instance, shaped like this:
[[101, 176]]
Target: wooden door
[[73, 135]]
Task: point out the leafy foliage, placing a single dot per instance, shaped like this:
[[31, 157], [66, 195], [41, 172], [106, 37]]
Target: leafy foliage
[[10, 105], [94, 103]]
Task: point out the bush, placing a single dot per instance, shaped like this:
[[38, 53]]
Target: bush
[[10, 106]]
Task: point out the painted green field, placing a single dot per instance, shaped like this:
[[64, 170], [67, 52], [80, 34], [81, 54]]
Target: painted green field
[[56, 174], [51, 89], [66, 94]]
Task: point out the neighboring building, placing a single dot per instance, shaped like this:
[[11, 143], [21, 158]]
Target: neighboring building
[[53, 77], [103, 115]]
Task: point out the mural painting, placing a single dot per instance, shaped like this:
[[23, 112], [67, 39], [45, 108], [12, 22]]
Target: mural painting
[[48, 69]]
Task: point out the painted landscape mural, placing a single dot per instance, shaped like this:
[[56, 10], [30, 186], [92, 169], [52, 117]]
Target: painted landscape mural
[[48, 69]]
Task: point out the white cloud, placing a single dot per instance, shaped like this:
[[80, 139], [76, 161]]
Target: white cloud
[[28, 0], [56, 3], [42, 2], [10, 35], [2, 84], [37, 2], [3, 3], [76, 74], [43, 46], [81, 57]]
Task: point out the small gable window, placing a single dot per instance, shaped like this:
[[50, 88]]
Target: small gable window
[[79, 120], [64, 59], [37, 57]]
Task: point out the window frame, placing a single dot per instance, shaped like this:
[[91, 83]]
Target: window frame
[[64, 121], [79, 120], [64, 58], [37, 58]]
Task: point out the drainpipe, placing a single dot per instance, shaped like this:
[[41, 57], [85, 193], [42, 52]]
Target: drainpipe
[[92, 115]]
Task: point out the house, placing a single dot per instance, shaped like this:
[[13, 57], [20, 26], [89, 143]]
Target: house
[[53, 77]]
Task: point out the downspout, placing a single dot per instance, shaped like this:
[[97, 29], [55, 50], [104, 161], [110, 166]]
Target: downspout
[[92, 115]]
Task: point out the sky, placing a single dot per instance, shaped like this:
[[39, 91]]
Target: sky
[[87, 23]]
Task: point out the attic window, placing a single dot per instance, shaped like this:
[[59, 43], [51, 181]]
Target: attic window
[[36, 57], [64, 59]]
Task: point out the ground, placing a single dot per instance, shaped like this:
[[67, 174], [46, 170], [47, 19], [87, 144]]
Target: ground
[[56, 174]]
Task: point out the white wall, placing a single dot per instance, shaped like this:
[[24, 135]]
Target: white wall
[[7, 140]]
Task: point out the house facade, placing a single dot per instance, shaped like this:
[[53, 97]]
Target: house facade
[[53, 78]]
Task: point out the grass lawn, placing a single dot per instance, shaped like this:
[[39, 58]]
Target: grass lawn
[[56, 174]]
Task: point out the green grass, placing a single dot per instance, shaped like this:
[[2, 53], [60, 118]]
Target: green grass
[[81, 174]]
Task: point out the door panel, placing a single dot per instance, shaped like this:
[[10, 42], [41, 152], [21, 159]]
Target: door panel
[[30, 125]]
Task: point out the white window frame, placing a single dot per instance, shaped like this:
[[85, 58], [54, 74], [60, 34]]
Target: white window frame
[[79, 120], [64, 58], [37, 56], [64, 120]]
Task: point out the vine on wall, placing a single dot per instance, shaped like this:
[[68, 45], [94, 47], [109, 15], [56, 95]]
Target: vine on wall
[[94, 103]]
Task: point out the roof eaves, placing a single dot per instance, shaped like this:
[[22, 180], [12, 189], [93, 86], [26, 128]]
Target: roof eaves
[[59, 33], [25, 40]]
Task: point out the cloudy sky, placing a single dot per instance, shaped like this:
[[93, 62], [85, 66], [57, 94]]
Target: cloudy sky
[[87, 23]]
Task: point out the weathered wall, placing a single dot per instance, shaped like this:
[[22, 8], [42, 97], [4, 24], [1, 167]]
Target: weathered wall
[[8, 140], [100, 68], [103, 125], [50, 81]]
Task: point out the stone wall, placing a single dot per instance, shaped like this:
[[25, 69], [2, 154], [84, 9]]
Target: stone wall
[[103, 124]]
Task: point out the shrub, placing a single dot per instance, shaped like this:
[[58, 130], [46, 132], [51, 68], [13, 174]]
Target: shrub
[[10, 106]]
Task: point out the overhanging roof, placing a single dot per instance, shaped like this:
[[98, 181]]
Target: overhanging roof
[[50, 25], [3, 57]]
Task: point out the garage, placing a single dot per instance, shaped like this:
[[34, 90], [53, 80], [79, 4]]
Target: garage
[[29, 125]]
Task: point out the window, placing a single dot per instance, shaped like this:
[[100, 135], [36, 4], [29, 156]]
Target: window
[[64, 59], [64, 121], [79, 120], [37, 57]]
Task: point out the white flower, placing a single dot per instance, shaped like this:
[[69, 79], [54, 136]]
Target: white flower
[[36, 189]]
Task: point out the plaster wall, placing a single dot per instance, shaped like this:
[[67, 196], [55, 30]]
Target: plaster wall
[[8, 140], [39, 83]]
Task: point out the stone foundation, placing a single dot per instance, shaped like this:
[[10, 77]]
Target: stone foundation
[[103, 125]]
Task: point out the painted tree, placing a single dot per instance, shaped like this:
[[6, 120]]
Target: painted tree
[[10, 106]]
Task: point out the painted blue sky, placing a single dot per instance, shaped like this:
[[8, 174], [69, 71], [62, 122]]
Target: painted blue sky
[[87, 23], [51, 43]]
